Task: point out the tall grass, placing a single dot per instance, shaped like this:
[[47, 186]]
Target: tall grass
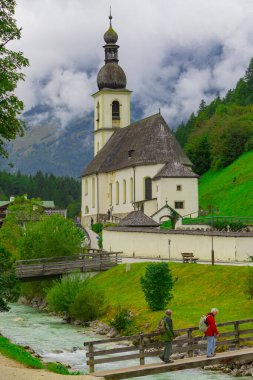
[[229, 189], [197, 290]]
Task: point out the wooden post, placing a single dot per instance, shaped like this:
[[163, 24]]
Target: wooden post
[[91, 357], [141, 349], [237, 334], [189, 348]]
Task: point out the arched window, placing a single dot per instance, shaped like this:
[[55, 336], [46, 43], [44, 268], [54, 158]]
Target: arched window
[[115, 110], [98, 115], [148, 188], [93, 192], [110, 193], [86, 210], [117, 193], [86, 186], [131, 189], [124, 191], [97, 147]]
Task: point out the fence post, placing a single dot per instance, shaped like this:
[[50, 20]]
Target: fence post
[[237, 334], [189, 336], [141, 349], [91, 357]]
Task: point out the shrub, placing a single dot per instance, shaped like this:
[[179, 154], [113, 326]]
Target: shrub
[[97, 227], [109, 224], [248, 290], [157, 284], [233, 226], [167, 225], [88, 303], [122, 320], [62, 295]]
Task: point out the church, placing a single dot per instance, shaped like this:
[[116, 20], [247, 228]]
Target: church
[[138, 166]]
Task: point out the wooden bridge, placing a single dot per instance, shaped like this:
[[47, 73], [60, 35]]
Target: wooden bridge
[[232, 340], [44, 268]]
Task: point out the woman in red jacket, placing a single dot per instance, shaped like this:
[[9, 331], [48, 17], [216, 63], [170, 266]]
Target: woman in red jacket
[[211, 333]]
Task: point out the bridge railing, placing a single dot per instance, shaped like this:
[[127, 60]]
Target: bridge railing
[[52, 266], [232, 334]]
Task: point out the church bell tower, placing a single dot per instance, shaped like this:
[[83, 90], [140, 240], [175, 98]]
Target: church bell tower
[[112, 101]]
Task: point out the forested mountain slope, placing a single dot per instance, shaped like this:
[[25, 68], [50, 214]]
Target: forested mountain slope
[[222, 130]]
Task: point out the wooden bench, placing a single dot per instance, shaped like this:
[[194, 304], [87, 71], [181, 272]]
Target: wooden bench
[[188, 257]]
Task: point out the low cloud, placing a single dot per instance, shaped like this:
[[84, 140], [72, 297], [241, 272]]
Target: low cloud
[[174, 53]]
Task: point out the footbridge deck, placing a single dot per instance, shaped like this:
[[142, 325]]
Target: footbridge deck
[[180, 364], [37, 269]]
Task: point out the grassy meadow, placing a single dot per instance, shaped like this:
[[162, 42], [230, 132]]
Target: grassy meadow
[[198, 288], [230, 189]]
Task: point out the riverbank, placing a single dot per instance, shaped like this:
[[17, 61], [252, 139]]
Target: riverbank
[[12, 370]]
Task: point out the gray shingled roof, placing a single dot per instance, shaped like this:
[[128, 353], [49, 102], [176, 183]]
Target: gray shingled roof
[[151, 142], [137, 219], [175, 169]]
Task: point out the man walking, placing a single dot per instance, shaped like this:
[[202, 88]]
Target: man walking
[[167, 336], [211, 333]]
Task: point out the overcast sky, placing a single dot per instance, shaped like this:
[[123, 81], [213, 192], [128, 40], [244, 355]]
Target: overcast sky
[[174, 53]]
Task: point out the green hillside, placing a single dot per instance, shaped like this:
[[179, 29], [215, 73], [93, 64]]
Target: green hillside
[[198, 288], [230, 189]]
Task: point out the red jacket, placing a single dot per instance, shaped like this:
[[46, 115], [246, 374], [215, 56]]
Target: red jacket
[[211, 329]]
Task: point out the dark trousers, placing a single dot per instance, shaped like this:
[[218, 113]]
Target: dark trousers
[[167, 351]]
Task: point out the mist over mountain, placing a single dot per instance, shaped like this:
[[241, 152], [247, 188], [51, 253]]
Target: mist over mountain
[[51, 147], [48, 147]]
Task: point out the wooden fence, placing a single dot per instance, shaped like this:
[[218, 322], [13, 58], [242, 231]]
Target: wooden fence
[[95, 261], [188, 341]]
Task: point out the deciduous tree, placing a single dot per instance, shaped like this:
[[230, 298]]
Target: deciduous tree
[[9, 284], [11, 62]]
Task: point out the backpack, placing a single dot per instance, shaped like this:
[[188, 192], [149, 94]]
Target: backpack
[[203, 324], [161, 326]]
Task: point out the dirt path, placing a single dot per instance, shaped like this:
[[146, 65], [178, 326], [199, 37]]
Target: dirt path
[[11, 370]]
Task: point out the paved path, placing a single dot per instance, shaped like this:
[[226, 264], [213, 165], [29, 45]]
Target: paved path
[[93, 238], [126, 260], [11, 370]]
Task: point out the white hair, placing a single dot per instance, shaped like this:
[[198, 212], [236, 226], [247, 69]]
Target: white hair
[[214, 310]]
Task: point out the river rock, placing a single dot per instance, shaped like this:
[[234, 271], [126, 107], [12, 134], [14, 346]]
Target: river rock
[[58, 351], [112, 333], [19, 319]]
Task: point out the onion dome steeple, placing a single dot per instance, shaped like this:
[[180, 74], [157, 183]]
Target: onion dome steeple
[[110, 36], [111, 75]]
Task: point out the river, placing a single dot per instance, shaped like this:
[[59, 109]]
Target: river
[[55, 340]]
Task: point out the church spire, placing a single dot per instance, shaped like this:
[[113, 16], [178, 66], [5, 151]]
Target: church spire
[[111, 74]]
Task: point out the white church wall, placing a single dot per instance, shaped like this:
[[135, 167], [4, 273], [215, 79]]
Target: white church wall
[[123, 207], [153, 244], [141, 172], [103, 193], [188, 194], [89, 198]]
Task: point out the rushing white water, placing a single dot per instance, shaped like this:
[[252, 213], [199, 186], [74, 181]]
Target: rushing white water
[[55, 340]]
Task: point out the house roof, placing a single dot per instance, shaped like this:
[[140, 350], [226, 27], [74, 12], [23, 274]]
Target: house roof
[[175, 169], [146, 142], [137, 219], [45, 204]]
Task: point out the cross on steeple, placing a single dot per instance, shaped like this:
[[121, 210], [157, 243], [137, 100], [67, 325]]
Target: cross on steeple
[[110, 17]]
